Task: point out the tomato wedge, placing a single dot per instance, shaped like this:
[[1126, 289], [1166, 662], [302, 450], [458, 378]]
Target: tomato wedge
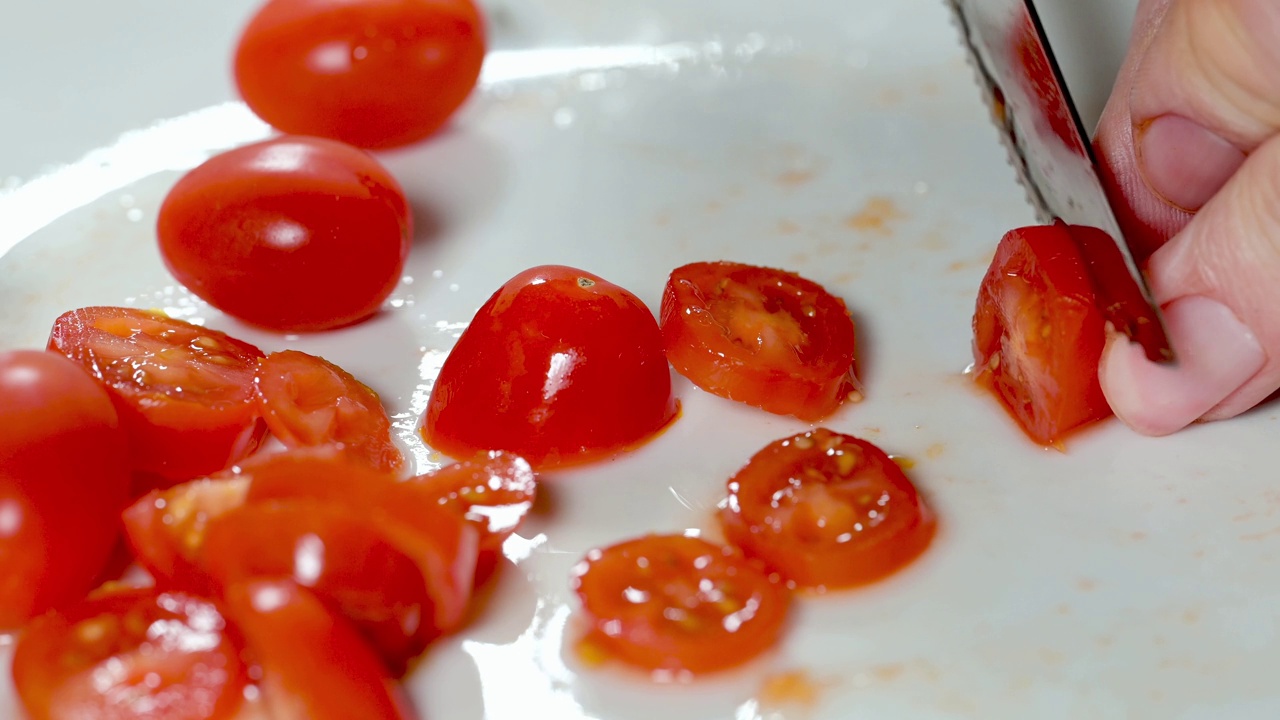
[[760, 336], [135, 653], [308, 401], [676, 603], [184, 393], [1038, 334], [826, 510]]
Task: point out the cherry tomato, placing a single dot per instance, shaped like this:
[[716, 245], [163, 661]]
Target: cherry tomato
[[135, 653], [676, 603], [760, 336], [1038, 333], [64, 476], [373, 73], [826, 510], [309, 401], [293, 233], [184, 393], [559, 367], [314, 665]]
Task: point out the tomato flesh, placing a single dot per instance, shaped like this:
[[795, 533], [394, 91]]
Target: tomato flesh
[[760, 336], [1038, 334], [559, 367], [676, 603], [826, 510]]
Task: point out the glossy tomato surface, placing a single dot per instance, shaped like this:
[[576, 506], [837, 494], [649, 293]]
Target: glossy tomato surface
[[184, 393], [64, 477], [1038, 334], [131, 654], [308, 401], [559, 366], [764, 337], [676, 603], [293, 234], [826, 510], [373, 73]]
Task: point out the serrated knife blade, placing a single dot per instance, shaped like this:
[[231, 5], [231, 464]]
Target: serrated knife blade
[[1048, 147]]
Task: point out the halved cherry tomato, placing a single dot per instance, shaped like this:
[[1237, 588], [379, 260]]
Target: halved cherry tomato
[[559, 367], [1038, 333], [293, 233], [314, 665], [184, 393], [676, 603], [374, 73], [764, 337], [309, 401], [826, 510], [64, 476], [133, 653]]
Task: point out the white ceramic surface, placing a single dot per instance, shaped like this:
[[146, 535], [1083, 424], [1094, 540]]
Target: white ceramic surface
[[1127, 578]]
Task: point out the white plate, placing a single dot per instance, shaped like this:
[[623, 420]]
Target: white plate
[[1127, 578]]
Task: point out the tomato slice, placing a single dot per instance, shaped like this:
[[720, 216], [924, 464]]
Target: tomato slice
[[308, 401], [826, 510], [760, 336], [676, 603], [314, 666], [135, 653], [559, 367], [1038, 334], [184, 393]]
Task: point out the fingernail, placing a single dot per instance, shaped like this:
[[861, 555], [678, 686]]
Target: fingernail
[[1216, 354], [1183, 162]]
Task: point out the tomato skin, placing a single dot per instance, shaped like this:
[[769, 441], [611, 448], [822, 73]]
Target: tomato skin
[[760, 336], [826, 510], [294, 234], [142, 359], [64, 476], [131, 654], [308, 401], [559, 367], [649, 605], [373, 73], [1038, 333]]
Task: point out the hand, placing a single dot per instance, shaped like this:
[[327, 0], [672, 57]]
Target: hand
[[1190, 141]]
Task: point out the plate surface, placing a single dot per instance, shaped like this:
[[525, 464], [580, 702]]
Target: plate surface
[[1127, 578]]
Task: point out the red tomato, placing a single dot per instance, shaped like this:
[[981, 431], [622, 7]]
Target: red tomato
[[373, 73], [64, 475], [293, 233], [309, 401], [675, 603], [1038, 333], [134, 653], [559, 367], [314, 665], [760, 336], [184, 393], [826, 510]]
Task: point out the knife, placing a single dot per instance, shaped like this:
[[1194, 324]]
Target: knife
[[1048, 147]]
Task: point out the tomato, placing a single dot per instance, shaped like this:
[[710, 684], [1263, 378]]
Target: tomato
[[184, 393], [826, 510], [373, 73], [293, 234], [676, 603], [494, 491], [134, 653], [1038, 333], [764, 337], [314, 665], [559, 367], [309, 401], [64, 476]]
